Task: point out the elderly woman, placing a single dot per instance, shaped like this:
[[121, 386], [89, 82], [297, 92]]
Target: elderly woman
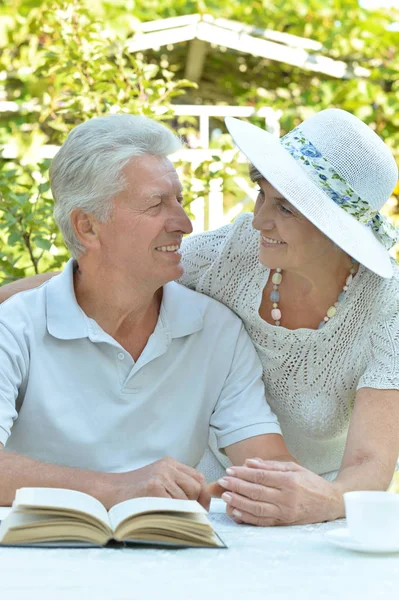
[[310, 276]]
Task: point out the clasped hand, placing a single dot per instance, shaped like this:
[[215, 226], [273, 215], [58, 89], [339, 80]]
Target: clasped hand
[[165, 478], [267, 493]]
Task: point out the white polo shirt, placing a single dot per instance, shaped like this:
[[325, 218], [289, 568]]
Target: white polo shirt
[[71, 395]]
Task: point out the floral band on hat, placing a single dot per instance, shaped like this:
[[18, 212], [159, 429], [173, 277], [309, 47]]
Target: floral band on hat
[[335, 186]]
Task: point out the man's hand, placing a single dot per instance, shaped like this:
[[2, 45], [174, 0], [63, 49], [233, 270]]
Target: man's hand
[[267, 493], [165, 478]]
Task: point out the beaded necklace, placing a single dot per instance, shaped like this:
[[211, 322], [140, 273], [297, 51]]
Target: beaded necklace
[[277, 278]]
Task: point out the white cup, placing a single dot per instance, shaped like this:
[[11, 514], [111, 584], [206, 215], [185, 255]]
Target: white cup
[[372, 517]]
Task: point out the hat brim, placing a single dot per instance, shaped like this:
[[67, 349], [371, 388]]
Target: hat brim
[[276, 164]]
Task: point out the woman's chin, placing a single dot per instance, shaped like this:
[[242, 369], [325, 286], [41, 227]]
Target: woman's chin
[[270, 259]]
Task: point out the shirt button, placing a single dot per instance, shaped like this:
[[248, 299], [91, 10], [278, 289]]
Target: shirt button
[[121, 356]]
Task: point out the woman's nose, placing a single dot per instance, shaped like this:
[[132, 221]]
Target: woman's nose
[[264, 218]]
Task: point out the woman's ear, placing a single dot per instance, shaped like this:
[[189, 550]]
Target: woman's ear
[[85, 226]]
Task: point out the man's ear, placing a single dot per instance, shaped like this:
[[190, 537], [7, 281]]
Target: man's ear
[[85, 226]]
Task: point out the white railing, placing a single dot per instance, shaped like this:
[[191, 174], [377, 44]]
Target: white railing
[[208, 211]]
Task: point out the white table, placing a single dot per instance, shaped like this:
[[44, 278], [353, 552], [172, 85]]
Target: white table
[[290, 563]]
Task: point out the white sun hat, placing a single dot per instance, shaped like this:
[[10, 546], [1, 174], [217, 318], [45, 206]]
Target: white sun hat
[[335, 171]]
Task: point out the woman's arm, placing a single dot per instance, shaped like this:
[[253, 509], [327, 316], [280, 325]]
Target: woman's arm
[[271, 493], [8, 290], [372, 445]]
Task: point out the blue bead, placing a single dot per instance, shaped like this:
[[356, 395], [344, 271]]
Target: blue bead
[[321, 325], [275, 296], [341, 296]]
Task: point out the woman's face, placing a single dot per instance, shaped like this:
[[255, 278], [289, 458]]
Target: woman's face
[[288, 239]]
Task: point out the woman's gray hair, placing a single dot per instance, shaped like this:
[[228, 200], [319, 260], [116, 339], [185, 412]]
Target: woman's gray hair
[[254, 174], [86, 172]]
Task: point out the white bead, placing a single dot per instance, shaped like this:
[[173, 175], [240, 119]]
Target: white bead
[[331, 311], [277, 278], [326, 319], [275, 305], [345, 288], [276, 314], [277, 323], [278, 270], [275, 287]]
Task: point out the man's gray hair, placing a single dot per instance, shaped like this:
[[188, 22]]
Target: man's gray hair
[[87, 172]]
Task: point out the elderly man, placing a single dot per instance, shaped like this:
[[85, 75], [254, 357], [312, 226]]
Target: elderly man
[[111, 373]]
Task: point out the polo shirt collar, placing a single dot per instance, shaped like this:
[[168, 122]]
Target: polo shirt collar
[[181, 311], [65, 319]]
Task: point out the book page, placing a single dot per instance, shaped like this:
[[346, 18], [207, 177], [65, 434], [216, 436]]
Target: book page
[[137, 506], [61, 499], [30, 529]]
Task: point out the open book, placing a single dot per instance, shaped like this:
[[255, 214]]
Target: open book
[[58, 517]]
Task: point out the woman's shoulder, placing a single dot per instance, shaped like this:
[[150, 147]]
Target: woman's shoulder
[[228, 244], [379, 293], [395, 277], [385, 287], [236, 233]]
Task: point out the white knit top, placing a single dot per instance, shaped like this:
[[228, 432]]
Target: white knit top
[[311, 376]]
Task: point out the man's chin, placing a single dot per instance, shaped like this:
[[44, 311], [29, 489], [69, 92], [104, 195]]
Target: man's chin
[[179, 272]]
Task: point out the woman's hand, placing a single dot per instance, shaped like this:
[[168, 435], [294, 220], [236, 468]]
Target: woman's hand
[[267, 493]]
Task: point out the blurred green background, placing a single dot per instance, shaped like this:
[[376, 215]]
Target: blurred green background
[[64, 62], [395, 484]]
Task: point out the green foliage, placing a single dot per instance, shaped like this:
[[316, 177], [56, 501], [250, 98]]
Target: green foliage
[[59, 67], [63, 62], [345, 31], [32, 238], [394, 487]]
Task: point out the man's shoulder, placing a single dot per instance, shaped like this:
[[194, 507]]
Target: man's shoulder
[[28, 305]]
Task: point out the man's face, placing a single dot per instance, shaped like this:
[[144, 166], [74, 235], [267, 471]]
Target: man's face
[[143, 236]]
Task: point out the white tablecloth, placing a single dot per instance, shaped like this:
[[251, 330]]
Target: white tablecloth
[[290, 563]]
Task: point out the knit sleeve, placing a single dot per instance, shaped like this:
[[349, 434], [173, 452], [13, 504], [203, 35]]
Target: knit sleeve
[[199, 252], [382, 371]]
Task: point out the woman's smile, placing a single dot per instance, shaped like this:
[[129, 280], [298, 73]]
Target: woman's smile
[[270, 242]]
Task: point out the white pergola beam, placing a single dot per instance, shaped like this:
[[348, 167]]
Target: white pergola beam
[[280, 47], [157, 39], [170, 23], [297, 57], [277, 36]]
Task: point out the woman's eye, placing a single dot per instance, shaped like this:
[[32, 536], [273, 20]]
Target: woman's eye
[[284, 210]]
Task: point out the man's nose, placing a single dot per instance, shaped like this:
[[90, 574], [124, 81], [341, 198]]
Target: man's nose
[[180, 221]]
